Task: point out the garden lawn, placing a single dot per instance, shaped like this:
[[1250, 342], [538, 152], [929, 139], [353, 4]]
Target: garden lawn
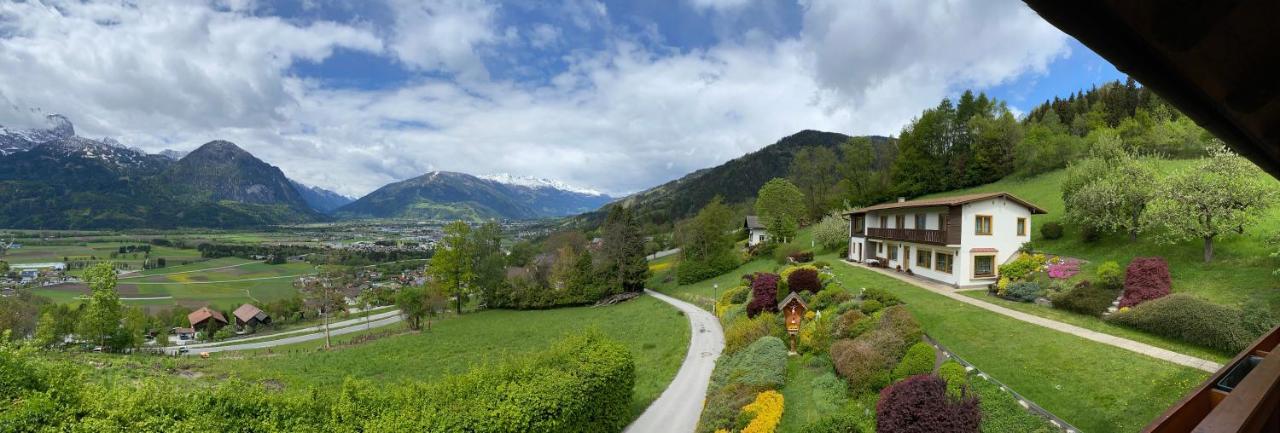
[[1241, 270], [1098, 388], [656, 334], [1096, 324]]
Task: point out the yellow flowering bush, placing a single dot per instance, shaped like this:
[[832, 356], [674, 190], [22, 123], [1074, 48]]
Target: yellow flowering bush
[[767, 410], [809, 315], [1001, 285]]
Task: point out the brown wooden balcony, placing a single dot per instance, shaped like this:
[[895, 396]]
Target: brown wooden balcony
[[910, 235], [1244, 396]]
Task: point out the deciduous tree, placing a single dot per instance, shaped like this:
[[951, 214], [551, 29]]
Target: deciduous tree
[[781, 206], [101, 317], [623, 265], [1221, 195], [1110, 190], [453, 266]]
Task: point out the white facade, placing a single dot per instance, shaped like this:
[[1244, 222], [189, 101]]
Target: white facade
[[757, 236], [973, 255]]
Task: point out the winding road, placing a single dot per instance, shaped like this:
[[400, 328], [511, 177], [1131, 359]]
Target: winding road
[[315, 333], [678, 408]]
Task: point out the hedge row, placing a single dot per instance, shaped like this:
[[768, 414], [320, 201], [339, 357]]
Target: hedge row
[[738, 379], [582, 384], [1194, 320]]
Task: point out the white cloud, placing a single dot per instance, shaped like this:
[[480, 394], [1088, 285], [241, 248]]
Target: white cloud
[[916, 51], [444, 35], [627, 117], [720, 5]]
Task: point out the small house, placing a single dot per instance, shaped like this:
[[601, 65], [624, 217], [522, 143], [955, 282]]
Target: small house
[[206, 319], [184, 335], [250, 316], [756, 233]]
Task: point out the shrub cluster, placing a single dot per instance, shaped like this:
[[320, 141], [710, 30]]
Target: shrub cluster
[[1063, 269], [884, 297], [1145, 279], [1084, 298], [1023, 291], [870, 306], [1194, 320], [801, 256], [1110, 276], [847, 324], [920, 404], [918, 360], [956, 376], [743, 331], [1022, 267], [1051, 230], [830, 297], [764, 294], [804, 280], [581, 384], [766, 412], [866, 360], [837, 423], [738, 378], [691, 271]]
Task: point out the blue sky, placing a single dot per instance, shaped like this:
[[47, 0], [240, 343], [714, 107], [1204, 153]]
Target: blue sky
[[613, 95]]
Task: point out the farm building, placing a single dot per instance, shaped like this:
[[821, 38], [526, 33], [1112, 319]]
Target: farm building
[[204, 318], [250, 316]]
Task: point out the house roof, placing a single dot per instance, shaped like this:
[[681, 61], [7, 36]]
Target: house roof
[[984, 250], [753, 223], [184, 330], [790, 297], [204, 313], [247, 312], [955, 200]]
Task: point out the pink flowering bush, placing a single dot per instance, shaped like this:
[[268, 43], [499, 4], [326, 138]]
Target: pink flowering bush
[[1063, 269]]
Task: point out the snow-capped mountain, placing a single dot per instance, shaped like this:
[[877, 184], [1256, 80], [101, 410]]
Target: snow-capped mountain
[[536, 182], [18, 140]]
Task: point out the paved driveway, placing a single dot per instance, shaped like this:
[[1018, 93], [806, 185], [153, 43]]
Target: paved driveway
[[678, 408]]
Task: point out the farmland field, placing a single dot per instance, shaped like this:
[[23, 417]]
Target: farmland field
[[220, 282]]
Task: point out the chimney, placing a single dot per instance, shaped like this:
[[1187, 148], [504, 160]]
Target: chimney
[[901, 199]]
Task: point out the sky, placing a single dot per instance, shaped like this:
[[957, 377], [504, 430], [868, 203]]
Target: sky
[[618, 96]]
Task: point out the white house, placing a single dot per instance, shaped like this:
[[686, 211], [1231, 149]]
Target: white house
[[960, 240], [756, 232]]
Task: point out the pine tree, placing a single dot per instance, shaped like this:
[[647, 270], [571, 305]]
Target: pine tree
[[624, 264]]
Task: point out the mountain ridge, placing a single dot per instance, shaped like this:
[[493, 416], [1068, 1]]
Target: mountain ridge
[[454, 195]]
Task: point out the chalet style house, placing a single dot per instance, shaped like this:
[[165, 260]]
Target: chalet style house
[[960, 240], [756, 233]]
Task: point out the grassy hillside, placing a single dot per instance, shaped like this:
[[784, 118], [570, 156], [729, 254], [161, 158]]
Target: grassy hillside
[[656, 334], [1241, 270]]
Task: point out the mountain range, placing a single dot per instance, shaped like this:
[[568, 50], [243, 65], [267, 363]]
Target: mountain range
[[51, 178], [736, 181], [451, 195]]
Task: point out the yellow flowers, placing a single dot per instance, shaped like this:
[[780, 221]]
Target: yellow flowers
[[658, 267], [768, 412], [809, 315], [1001, 285]]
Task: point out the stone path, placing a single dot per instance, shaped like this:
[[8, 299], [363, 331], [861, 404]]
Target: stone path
[[1123, 343]]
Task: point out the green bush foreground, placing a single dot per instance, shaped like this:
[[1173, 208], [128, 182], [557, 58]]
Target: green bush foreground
[[581, 384]]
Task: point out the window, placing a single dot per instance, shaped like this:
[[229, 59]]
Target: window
[[920, 224], [984, 266], [982, 225], [893, 252], [942, 221], [924, 258], [899, 221], [857, 224], [942, 262], [884, 222], [1022, 226]]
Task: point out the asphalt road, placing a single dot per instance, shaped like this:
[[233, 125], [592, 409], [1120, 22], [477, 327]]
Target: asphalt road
[[678, 408], [343, 327]]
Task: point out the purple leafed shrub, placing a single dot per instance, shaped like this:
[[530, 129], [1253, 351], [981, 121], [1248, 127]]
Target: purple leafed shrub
[[1145, 279], [919, 404], [764, 292], [1067, 268], [804, 280]]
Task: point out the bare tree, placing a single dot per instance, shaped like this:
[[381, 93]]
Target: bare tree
[[324, 293]]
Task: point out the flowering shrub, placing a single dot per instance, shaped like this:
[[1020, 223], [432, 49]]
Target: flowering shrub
[[767, 410], [1023, 266], [1064, 268], [920, 404], [804, 280], [764, 294], [1145, 279], [743, 331], [1001, 285]]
